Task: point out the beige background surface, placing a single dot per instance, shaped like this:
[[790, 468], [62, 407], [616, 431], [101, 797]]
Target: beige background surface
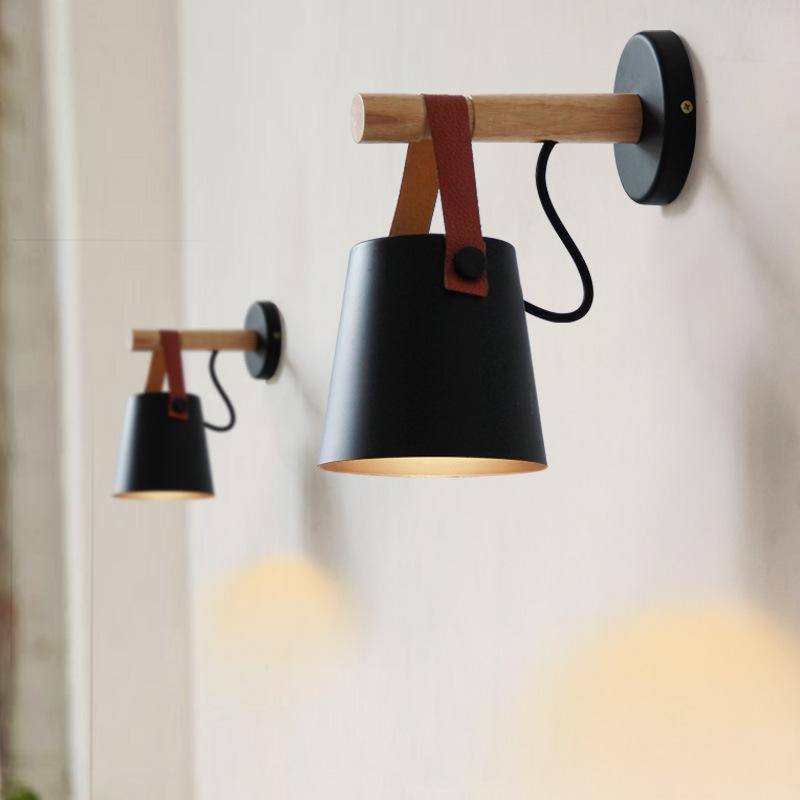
[[670, 413], [627, 618]]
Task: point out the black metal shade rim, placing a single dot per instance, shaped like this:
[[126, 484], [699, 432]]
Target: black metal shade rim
[[424, 466], [162, 495], [405, 236], [148, 394]]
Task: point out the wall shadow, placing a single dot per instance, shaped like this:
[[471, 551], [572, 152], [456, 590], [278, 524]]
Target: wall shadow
[[322, 521], [770, 410]]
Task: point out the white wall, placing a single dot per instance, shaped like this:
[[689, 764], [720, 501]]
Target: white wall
[[371, 638], [113, 83]]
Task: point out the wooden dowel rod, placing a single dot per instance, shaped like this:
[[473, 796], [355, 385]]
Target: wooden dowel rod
[[506, 118], [200, 340]]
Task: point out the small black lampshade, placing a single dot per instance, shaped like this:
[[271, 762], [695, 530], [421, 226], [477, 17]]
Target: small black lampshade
[[162, 458], [427, 381]]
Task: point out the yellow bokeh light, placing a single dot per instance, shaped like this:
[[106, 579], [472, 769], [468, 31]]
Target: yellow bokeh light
[[277, 623], [696, 703]]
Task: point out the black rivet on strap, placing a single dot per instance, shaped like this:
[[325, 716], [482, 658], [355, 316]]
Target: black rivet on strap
[[470, 263], [179, 405]]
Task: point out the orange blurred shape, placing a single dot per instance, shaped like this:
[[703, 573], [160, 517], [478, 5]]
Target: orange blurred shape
[[694, 703], [278, 621]]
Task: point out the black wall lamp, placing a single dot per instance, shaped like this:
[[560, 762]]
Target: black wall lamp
[[163, 454], [432, 373]]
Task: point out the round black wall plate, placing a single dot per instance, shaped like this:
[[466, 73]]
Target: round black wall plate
[[265, 319], [655, 65]]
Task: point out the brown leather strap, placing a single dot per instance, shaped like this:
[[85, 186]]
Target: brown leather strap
[[418, 191], [452, 144], [446, 160], [171, 345], [155, 375]]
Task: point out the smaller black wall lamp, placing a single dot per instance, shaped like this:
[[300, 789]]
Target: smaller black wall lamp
[[163, 453], [432, 373]]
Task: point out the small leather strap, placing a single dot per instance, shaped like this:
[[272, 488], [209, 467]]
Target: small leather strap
[[155, 375], [418, 191], [171, 346], [446, 160], [452, 144]]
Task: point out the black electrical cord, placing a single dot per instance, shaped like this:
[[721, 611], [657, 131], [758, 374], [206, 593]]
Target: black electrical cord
[[212, 368], [572, 248]]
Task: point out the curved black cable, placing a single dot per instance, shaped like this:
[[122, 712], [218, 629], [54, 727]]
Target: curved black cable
[[572, 248], [212, 368]]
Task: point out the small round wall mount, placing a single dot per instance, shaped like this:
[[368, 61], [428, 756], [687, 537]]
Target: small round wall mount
[[264, 318], [655, 65]]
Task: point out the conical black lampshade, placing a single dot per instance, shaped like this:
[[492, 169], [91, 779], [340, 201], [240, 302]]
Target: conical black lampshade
[[427, 381], [162, 458]]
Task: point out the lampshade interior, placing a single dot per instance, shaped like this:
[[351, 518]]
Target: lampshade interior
[[164, 495], [433, 466]]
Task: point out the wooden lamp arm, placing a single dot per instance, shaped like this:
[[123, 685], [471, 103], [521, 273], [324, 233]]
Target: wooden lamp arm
[[612, 118], [241, 340]]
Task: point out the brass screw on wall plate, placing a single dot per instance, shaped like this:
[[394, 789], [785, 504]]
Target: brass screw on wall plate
[[687, 106]]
